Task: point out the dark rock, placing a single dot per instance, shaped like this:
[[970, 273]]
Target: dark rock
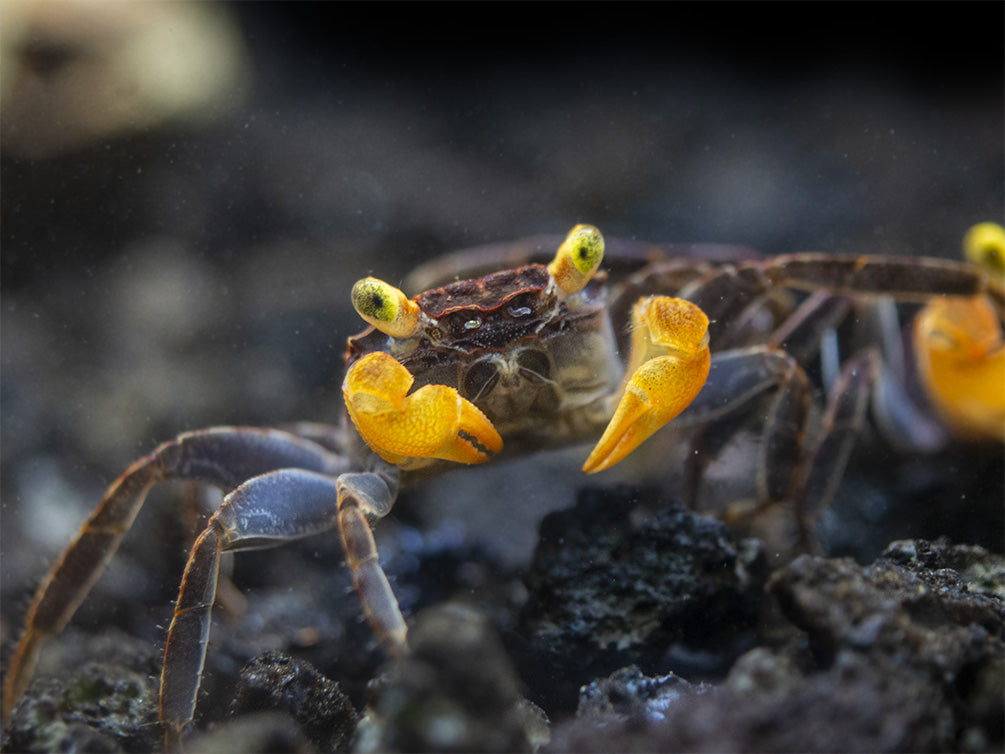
[[797, 713], [273, 732], [622, 578], [891, 660], [277, 682], [627, 695], [456, 691], [980, 570], [926, 618], [90, 706]]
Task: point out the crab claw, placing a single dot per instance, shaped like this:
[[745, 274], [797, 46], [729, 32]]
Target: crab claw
[[433, 422], [661, 386], [961, 359]]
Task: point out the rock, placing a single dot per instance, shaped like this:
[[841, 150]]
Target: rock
[[456, 692], [629, 696], [621, 578], [90, 706], [275, 681], [274, 732], [980, 570], [926, 619], [891, 659]]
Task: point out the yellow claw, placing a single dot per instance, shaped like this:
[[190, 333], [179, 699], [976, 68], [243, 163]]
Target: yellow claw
[[669, 365], [961, 360], [433, 422]]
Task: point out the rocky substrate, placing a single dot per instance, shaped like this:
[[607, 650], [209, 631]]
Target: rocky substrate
[[651, 630]]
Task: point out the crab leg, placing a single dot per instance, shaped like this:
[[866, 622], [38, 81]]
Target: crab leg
[[407, 430], [222, 456], [361, 497], [840, 426], [745, 379], [669, 364], [800, 334], [738, 381], [904, 278], [268, 511]]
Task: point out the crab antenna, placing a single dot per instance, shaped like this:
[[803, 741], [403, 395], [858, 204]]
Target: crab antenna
[[386, 308], [577, 259]]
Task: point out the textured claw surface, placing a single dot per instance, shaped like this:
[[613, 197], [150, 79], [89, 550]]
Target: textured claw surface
[[660, 386], [433, 422], [961, 359]]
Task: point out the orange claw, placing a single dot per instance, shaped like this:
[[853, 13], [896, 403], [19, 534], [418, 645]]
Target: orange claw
[[961, 359], [669, 365], [433, 422]]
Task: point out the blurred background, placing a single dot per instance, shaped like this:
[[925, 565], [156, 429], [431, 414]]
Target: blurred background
[[191, 189]]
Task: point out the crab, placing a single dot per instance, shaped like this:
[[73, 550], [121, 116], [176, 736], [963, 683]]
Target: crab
[[527, 359]]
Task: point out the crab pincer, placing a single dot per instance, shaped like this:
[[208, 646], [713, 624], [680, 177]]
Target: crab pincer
[[959, 348], [669, 365], [402, 428], [961, 358]]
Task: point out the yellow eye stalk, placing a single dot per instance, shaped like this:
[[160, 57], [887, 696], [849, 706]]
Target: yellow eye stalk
[[577, 259], [984, 245], [385, 307]]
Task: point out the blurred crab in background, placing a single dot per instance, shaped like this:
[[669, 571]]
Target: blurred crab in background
[[530, 358], [814, 352]]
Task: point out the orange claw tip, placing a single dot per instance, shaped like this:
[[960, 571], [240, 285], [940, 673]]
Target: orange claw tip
[[657, 392], [623, 435], [475, 438]]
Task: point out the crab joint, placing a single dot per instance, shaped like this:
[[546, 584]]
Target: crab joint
[[433, 422], [577, 259], [385, 307], [661, 385]]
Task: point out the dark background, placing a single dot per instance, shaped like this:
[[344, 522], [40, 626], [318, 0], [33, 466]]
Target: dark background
[[186, 275]]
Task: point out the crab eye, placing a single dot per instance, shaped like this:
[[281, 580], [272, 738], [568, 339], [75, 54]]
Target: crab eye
[[385, 307], [984, 245], [577, 258]]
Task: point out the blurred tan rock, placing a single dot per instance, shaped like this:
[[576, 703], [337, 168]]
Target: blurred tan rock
[[72, 73]]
